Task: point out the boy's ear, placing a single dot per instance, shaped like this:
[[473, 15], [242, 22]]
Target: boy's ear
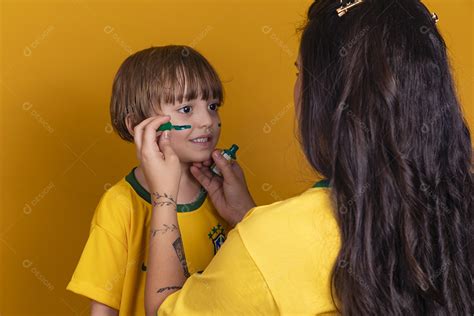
[[129, 123]]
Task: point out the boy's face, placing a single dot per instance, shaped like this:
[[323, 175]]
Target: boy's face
[[197, 143]]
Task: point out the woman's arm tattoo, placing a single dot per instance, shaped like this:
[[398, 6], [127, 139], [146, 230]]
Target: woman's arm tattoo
[[166, 200], [168, 288], [166, 228], [178, 247]]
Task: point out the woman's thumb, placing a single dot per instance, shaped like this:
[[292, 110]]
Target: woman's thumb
[[165, 146], [224, 166]]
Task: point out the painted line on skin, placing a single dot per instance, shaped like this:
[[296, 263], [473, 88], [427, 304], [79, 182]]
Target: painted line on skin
[[168, 126]]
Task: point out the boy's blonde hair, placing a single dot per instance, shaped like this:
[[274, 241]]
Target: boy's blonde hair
[[156, 76]]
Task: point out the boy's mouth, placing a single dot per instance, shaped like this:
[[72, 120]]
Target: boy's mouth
[[203, 140]]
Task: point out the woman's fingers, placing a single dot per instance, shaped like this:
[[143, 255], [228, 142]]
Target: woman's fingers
[[165, 146], [138, 131], [225, 167], [208, 173], [149, 132], [201, 177], [207, 163], [239, 173], [206, 178]]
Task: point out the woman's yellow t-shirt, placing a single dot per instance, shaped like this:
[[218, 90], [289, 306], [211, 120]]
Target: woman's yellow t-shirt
[[277, 261]]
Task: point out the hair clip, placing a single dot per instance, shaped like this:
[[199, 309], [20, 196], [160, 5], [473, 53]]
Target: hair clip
[[344, 8], [434, 17]]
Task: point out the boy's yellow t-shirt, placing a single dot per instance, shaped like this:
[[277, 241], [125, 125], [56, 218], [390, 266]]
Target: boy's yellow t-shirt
[[112, 267], [277, 261]]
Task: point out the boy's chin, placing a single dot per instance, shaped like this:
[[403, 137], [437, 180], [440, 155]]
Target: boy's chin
[[198, 157]]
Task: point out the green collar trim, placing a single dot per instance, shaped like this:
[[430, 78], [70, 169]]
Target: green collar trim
[[144, 194], [322, 184]]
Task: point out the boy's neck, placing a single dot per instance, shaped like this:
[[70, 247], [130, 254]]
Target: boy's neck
[[189, 187]]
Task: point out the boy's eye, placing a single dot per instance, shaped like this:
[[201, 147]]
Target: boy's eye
[[185, 109], [214, 106]]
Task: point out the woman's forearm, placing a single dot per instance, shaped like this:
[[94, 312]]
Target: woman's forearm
[[167, 268], [99, 309]]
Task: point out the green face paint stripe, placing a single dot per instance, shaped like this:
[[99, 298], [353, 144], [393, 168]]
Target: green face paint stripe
[[168, 126], [145, 195], [181, 127]]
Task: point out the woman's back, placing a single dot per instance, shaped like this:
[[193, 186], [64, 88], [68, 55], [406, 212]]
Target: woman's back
[[383, 122], [278, 260], [294, 243]]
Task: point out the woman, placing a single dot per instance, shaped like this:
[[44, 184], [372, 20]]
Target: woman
[[390, 230]]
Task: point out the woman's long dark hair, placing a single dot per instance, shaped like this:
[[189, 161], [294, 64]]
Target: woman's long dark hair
[[379, 117]]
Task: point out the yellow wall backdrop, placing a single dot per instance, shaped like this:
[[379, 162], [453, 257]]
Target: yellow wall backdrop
[[58, 151]]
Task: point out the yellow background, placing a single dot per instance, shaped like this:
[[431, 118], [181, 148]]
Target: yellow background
[[59, 154]]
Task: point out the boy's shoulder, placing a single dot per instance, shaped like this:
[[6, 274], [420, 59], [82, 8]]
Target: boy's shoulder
[[118, 193], [115, 205], [121, 189]]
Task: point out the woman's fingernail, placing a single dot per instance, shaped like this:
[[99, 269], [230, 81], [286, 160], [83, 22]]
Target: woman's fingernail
[[217, 155], [166, 134]]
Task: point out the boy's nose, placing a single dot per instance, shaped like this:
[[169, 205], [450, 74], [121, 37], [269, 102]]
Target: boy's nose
[[204, 120]]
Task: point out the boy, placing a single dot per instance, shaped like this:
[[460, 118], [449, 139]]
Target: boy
[[179, 82]]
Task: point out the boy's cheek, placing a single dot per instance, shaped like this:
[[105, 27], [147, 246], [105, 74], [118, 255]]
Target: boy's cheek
[[178, 140], [217, 135], [216, 140], [178, 119]]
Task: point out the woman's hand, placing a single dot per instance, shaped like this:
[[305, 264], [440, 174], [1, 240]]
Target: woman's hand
[[161, 166], [228, 193], [99, 309], [166, 265]]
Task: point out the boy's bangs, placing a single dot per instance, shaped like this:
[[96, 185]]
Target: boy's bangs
[[191, 79]]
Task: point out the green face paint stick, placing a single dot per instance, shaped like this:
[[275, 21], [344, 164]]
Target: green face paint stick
[[228, 154]]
